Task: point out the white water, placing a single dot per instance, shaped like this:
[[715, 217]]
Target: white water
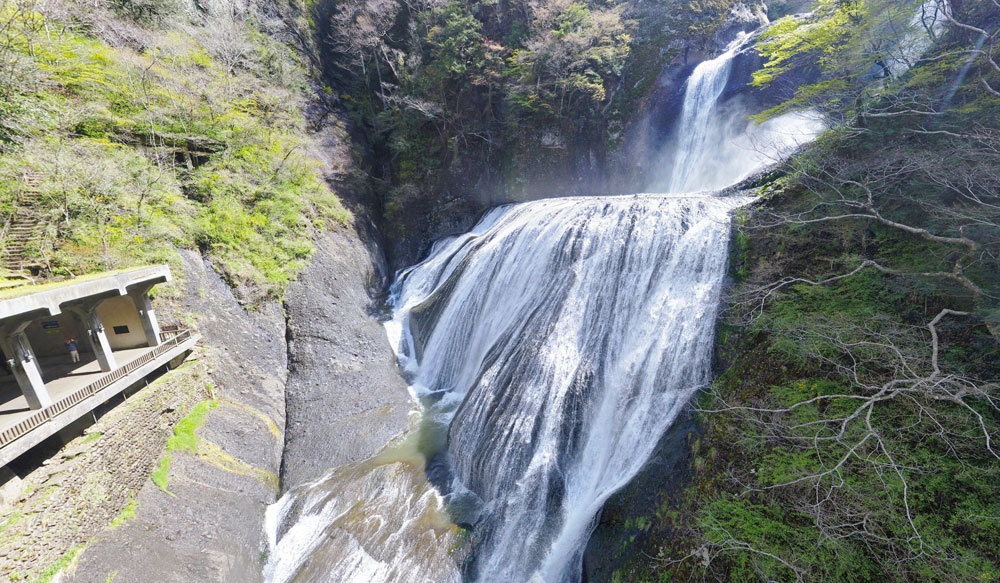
[[704, 86], [561, 338], [549, 349], [715, 144], [373, 521]]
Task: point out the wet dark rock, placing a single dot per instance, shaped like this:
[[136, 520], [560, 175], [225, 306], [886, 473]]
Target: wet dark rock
[[620, 528], [344, 398]]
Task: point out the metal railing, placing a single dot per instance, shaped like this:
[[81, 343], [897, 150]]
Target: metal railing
[[170, 339], [169, 331]]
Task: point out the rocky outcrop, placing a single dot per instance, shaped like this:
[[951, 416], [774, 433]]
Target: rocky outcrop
[[208, 526], [743, 17], [345, 398], [331, 371]]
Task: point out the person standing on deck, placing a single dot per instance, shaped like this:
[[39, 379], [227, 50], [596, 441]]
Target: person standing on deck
[[74, 354]]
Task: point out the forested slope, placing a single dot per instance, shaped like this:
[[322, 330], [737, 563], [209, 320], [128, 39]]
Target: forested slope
[[852, 433], [465, 105], [147, 126]]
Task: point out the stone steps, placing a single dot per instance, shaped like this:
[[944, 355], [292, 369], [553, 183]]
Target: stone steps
[[24, 226]]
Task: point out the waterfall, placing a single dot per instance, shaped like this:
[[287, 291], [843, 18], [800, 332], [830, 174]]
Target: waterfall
[[715, 145], [702, 92], [549, 349], [558, 340], [374, 521]]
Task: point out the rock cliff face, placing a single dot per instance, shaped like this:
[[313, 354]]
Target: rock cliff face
[[207, 528], [344, 396], [341, 394]]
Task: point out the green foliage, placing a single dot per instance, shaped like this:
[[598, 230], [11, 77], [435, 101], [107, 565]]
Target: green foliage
[[161, 473], [128, 512], [111, 206], [852, 43], [55, 568], [739, 256], [181, 145], [184, 438], [455, 43], [256, 205], [577, 54]]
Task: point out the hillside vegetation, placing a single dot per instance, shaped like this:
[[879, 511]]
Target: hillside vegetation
[[155, 125], [853, 433]]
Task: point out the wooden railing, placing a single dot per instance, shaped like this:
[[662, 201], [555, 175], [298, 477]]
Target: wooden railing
[[170, 339]]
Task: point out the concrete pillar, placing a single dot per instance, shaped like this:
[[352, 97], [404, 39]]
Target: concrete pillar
[[150, 326], [26, 370], [90, 341], [99, 340]]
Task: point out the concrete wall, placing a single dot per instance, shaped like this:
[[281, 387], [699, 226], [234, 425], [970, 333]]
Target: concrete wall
[[48, 335], [121, 311]]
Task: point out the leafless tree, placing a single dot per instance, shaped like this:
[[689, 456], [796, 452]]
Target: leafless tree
[[895, 390], [941, 186], [227, 39], [359, 35]]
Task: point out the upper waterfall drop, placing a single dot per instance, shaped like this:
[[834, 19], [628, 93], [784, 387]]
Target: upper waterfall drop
[[715, 144], [558, 340], [701, 95]]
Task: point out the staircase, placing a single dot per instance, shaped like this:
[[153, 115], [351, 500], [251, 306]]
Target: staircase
[[23, 226]]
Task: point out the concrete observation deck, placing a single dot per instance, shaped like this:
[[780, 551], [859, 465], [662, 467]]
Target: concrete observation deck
[[109, 319]]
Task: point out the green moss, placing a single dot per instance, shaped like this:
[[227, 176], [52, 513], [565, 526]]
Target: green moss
[[740, 255], [11, 521], [128, 512], [64, 561], [160, 474], [184, 438]]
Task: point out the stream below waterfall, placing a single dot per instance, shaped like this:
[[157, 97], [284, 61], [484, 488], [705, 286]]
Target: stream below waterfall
[[548, 350]]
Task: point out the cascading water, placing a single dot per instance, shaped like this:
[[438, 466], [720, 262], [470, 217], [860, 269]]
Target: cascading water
[[559, 339], [715, 145], [549, 349], [704, 86], [376, 520]]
